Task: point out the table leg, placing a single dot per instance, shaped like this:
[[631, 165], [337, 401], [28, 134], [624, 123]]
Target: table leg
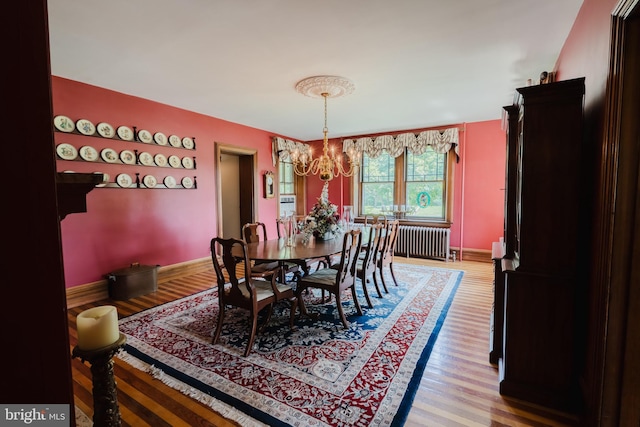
[[303, 307]]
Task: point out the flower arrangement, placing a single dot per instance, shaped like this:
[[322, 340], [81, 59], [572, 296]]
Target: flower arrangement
[[323, 218]]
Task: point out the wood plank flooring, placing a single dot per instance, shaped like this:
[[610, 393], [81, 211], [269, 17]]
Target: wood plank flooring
[[459, 386]]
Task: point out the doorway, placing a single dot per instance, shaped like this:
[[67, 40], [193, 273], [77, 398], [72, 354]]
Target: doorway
[[235, 178]]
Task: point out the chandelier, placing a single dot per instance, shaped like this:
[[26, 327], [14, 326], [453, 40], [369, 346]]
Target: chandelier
[[329, 165]]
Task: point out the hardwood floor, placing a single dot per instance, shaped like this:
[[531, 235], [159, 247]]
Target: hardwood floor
[[459, 386]]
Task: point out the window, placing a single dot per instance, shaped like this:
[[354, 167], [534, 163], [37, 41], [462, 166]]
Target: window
[[378, 178], [425, 184], [287, 178], [418, 184]]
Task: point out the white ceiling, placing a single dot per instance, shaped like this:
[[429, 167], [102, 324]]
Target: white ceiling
[[414, 63]]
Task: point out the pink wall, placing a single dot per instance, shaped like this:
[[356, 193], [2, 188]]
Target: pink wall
[[479, 209], [150, 226], [586, 49], [164, 227]]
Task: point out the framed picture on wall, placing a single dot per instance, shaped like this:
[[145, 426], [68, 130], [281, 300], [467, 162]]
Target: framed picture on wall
[[269, 185]]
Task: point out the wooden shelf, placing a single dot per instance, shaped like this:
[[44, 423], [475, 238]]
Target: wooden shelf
[[72, 191]]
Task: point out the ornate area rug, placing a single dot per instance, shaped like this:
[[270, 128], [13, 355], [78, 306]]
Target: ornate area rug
[[317, 375]]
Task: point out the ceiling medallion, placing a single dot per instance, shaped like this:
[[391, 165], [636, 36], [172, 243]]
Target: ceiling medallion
[[325, 86], [329, 164]]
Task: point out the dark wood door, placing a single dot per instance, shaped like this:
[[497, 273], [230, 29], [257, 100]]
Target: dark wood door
[[36, 361]]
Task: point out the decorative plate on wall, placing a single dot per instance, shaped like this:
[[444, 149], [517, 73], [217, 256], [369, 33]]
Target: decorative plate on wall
[[124, 180], [105, 130], [85, 127], [160, 159], [88, 153], [145, 136], [174, 140], [149, 181], [66, 151], [128, 157], [174, 161], [109, 155], [169, 181], [146, 159], [187, 143], [187, 162], [187, 182], [160, 138], [125, 133], [64, 123]]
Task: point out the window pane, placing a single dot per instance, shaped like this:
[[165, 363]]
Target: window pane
[[375, 196], [377, 183], [380, 169], [428, 166], [425, 186], [426, 198], [286, 178]]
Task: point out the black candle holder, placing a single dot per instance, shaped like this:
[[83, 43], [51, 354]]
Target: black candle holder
[[106, 411]]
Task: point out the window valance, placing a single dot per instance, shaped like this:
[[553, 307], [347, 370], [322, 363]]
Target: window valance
[[282, 149], [439, 141]]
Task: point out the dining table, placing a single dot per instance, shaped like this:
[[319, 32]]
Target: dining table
[[278, 250], [301, 249]]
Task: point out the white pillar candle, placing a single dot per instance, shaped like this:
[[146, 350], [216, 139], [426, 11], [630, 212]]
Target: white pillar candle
[[97, 327]]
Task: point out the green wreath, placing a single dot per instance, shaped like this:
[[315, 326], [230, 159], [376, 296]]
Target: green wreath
[[423, 200]]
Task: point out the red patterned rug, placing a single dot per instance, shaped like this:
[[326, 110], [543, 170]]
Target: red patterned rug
[[317, 375]]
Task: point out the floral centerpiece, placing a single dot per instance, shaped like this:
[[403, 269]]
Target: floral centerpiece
[[323, 221]]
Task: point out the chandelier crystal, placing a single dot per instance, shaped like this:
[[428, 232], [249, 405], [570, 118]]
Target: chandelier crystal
[[329, 165]]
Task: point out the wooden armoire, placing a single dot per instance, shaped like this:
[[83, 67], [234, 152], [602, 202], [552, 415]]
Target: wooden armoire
[[540, 284]]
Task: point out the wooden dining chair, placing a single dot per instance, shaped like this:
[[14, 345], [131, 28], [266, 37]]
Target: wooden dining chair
[[366, 264], [253, 232], [337, 280], [372, 220], [385, 257], [242, 290]]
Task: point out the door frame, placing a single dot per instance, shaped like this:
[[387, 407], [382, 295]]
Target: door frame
[[249, 195], [613, 394]]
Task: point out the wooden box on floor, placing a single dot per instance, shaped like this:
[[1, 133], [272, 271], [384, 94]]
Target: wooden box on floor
[[133, 281]]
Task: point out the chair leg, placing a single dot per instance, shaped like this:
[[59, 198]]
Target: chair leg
[[294, 308], [384, 283], [375, 282], [216, 335], [266, 321], [366, 292], [322, 297], [393, 274], [343, 319], [355, 299], [252, 333]]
